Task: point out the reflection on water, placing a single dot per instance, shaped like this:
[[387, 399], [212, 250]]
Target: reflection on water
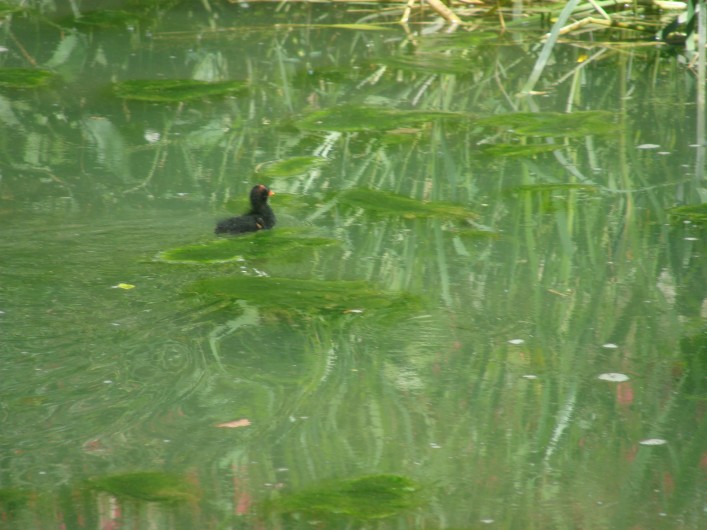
[[481, 315]]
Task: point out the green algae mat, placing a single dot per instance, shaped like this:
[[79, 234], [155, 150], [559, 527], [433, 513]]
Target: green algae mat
[[352, 118], [363, 498], [306, 295], [386, 203], [287, 243], [25, 77], [147, 486], [174, 90]]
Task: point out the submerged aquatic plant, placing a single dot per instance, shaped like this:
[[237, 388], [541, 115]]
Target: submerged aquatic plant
[[368, 497], [694, 213], [552, 124], [307, 296], [149, 486], [386, 203], [174, 90], [24, 77], [257, 245], [351, 118]]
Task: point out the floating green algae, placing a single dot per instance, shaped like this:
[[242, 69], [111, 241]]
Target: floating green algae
[[264, 244], [24, 77], [147, 486], [696, 213], [551, 124], [351, 118], [365, 498], [290, 167], [386, 203], [174, 90], [305, 296]]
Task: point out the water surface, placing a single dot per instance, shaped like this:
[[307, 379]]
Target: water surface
[[450, 281]]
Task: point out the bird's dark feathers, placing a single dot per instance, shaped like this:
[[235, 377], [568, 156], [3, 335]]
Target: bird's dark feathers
[[259, 217]]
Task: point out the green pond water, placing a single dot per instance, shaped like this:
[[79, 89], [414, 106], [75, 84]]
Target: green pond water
[[477, 309]]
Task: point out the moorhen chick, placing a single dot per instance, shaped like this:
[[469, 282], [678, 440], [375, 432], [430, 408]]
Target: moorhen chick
[[259, 217]]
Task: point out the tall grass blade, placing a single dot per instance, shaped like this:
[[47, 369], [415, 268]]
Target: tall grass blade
[[548, 47]]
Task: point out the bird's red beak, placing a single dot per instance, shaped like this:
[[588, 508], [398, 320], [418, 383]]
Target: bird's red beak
[[271, 193]]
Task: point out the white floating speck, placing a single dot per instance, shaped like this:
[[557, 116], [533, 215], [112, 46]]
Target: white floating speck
[[152, 136], [516, 341], [653, 441], [613, 377], [530, 376], [648, 146], [435, 446], [486, 521], [691, 239], [609, 346]]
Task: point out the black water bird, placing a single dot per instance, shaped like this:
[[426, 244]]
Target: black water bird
[[259, 217]]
